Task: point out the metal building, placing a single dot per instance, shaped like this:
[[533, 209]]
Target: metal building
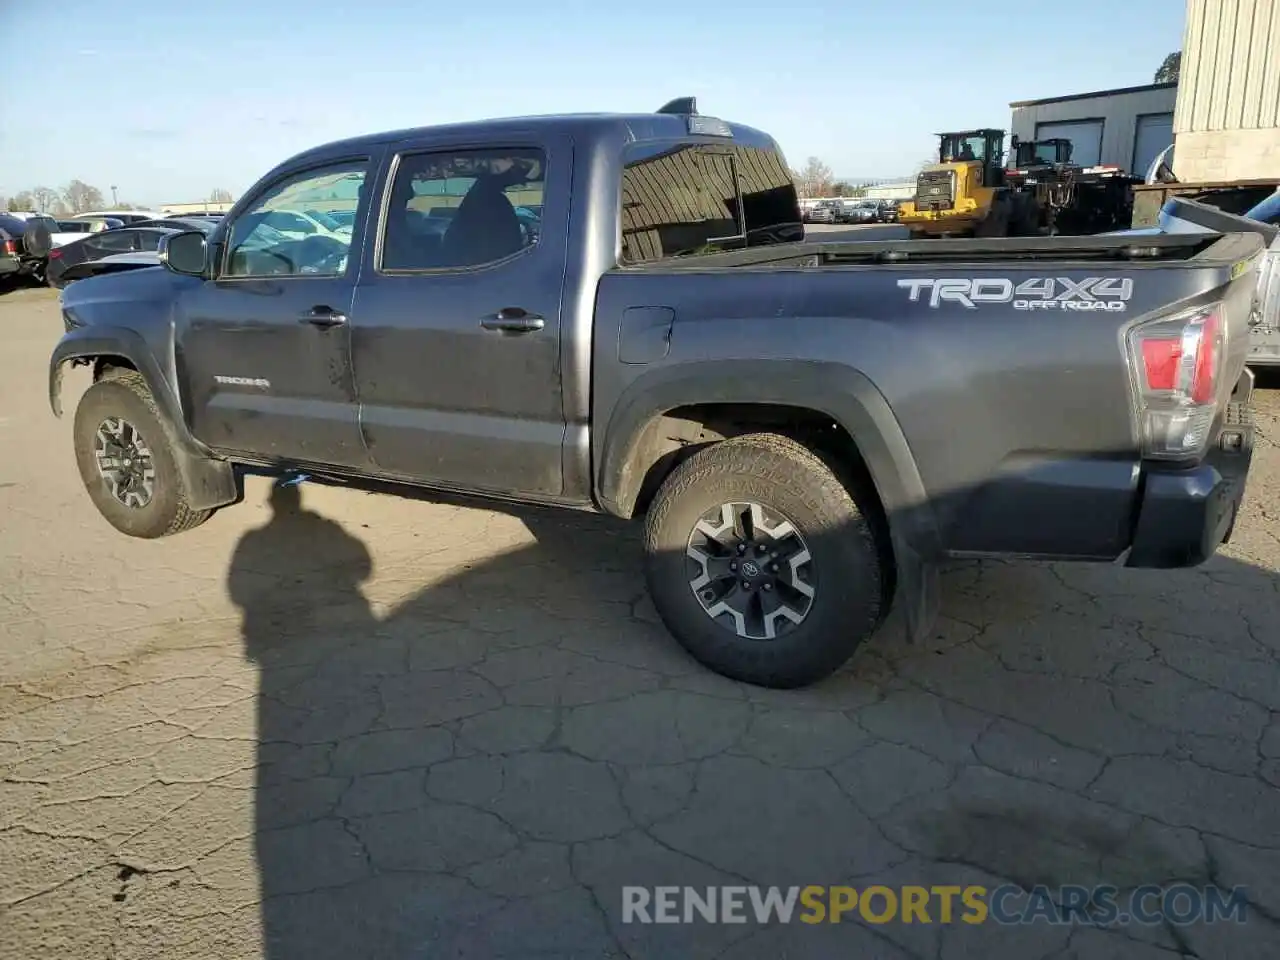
[[1228, 110], [1126, 127]]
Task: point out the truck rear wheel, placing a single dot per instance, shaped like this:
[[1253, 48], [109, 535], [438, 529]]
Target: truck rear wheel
[[761, 564], [126, 461]]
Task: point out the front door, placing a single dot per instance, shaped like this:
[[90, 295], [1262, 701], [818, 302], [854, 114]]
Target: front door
[[456, 322], [266, 343]]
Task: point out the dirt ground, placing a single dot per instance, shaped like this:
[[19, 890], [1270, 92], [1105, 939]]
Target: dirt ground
[[373, 727]]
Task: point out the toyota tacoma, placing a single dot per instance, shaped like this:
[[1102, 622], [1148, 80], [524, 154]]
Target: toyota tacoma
[[806, 429]]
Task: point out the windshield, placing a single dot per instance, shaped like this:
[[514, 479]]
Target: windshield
[[964, 148], [1268, 211]]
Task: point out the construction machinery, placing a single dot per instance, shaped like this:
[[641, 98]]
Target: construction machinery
[[1069, 199], [964, 194]]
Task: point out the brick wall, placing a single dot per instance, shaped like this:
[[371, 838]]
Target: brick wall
[[1227, 155]]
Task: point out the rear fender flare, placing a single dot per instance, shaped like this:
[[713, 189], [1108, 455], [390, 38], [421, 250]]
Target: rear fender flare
[[844, 394], [210, 482]]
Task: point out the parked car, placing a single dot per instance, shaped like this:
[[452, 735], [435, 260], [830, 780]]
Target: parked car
[[134, 238], [111, 263], [687, 365], [828, 211], [299, 224], [28, 238], [859, 211], [10, 261]]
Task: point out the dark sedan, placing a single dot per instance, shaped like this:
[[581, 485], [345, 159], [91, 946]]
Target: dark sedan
[[95, 246], [72, 261]]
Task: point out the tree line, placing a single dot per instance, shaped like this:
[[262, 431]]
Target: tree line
[[815, 179], [79, 197]]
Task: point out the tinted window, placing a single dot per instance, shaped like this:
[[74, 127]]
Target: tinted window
[[149, 239], [116, 241], [265, 239], [459, 209], [695, 199]]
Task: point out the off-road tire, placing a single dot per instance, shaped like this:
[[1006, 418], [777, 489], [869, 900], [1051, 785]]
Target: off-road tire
[[848, 566], [124, 394]]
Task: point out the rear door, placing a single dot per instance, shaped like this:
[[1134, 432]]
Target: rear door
[[456, 322], [266, 343]]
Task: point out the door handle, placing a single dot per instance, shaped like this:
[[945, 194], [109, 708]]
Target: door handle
[[323, 316], [513, 320]]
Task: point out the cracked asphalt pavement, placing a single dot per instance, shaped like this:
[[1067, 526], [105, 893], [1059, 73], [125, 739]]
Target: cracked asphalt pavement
[[378, 727]]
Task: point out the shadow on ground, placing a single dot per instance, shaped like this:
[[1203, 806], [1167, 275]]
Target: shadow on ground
[[480, 773]]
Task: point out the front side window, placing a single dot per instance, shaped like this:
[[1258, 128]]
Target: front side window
[[694, 199], [461, 209], [275, 238]]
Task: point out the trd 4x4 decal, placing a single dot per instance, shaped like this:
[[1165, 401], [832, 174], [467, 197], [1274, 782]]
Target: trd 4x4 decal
[[1036, 293]]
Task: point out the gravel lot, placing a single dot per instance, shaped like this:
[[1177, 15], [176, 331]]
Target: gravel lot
[[380, 727]]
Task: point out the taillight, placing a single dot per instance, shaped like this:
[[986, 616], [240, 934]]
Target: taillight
[[1178, 363], [11, 247], [55, 253]]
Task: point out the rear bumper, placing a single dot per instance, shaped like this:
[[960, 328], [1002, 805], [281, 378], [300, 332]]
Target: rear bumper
[[1186, 514]]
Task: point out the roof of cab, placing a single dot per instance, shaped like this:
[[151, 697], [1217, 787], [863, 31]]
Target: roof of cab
[[637, 126]]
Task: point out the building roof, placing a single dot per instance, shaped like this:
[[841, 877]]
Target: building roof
[[1118, 91]]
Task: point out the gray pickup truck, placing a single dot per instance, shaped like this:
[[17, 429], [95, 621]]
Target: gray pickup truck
[[621, 314]]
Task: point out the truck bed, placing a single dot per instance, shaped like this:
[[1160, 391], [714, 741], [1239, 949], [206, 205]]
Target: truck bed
[[1164, 250]]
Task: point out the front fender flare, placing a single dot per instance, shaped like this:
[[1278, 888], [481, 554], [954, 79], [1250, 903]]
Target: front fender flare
[[210, 482]]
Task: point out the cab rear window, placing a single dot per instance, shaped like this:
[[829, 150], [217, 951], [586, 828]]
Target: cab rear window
[[688, 199]]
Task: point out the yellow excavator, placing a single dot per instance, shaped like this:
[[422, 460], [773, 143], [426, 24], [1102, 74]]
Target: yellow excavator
[[964, 193]]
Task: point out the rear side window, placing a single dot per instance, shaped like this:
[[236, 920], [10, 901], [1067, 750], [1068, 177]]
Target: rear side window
[[695, 199], [463, 209]]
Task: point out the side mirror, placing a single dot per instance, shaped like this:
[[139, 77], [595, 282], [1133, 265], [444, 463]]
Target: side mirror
[[185, 252]]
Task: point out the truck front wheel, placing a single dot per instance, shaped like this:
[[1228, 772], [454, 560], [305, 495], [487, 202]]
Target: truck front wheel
[[126, 461], [761, 563]]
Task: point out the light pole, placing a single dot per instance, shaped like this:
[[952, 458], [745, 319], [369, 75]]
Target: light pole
[[113, 196]]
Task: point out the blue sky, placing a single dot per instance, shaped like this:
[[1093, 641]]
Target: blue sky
[[169, 100]]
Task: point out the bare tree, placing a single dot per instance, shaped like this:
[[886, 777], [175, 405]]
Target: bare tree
[[815, 180], [46, 200], [81, 197], [1170, 69], [220, 195], [22, 200]]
